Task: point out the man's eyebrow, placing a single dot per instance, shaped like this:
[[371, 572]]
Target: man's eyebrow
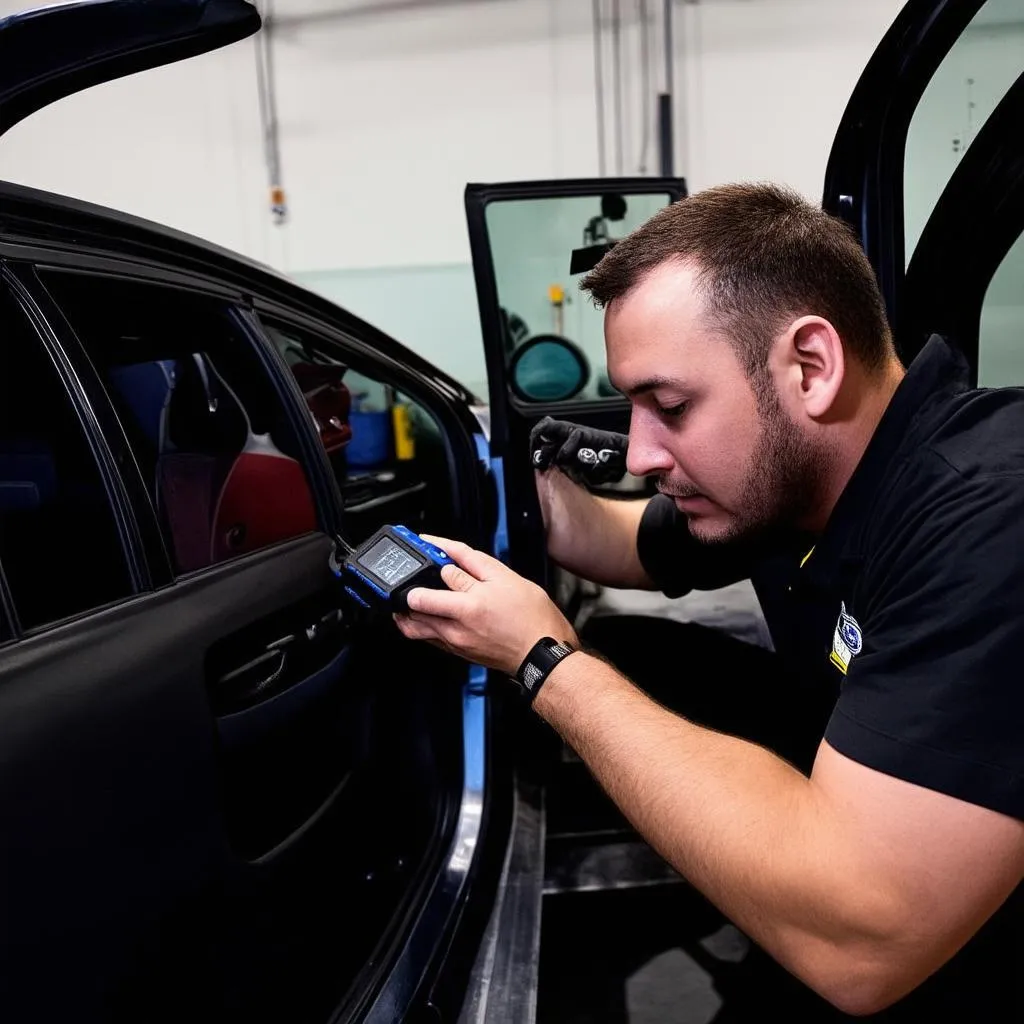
[[652, 384]]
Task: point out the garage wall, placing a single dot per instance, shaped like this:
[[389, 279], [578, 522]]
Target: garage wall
[[387, 109]]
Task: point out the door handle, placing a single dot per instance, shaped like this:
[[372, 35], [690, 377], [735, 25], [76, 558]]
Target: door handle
[[253, 678]]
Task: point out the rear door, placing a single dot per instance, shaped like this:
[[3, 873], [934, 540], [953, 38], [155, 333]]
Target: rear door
[[532, 242], [183, 727]]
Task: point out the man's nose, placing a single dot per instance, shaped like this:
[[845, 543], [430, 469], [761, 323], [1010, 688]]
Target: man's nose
[[646, 457]]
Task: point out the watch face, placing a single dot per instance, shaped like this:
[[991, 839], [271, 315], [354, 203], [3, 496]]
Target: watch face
[[389, 562]]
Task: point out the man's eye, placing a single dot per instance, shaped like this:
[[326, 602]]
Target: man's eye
[[672, 410]]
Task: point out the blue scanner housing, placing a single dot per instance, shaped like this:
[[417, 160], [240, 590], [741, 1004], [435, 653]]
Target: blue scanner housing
[[380, 573]]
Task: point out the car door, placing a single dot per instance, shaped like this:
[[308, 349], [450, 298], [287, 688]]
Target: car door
[[231, 791], [154, 778], [531, 243], [228, 797], [926, 169]]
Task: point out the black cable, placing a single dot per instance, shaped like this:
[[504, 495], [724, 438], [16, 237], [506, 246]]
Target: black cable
[[599, 87], [666, 135]]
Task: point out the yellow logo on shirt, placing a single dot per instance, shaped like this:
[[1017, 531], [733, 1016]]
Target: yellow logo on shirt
[[847, 640]]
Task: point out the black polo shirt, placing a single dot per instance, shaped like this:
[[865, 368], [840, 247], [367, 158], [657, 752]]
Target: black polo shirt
[[903, 627]]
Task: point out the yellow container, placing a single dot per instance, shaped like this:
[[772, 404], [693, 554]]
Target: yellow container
[[401, 422]]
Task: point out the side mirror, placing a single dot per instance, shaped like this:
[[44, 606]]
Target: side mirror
[[548, 368]]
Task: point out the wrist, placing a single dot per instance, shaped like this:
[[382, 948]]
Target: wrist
[[553, 692], [540, 661]]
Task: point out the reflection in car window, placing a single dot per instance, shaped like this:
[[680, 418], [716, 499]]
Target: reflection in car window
[[59, 545], [532, 242], [1000, 346], [974, 76], [212, 440]]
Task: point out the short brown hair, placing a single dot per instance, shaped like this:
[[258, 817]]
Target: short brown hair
[[763, 254]]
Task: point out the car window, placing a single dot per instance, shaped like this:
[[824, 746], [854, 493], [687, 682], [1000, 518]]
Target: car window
[[386, 450], [1000, 352], [532, 243], [964, 90], [60, 548], [211, 437]]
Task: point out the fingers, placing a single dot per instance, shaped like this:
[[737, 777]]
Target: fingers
[[443, 604], [414, 628], [456, 578], [542, 456], [567, 452], [545, 440], [478, 564]]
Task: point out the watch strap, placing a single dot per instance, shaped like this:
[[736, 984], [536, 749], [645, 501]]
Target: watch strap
[[545, 654]]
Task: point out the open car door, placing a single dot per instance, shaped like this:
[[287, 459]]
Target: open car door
[[532, 243], [926, 167]]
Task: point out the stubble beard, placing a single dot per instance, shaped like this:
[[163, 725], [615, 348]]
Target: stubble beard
[[785, 474]]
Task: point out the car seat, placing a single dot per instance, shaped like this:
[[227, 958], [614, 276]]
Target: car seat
[[329, 401]]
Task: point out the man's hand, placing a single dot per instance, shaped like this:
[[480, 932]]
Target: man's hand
[[490, 616], [584, 454]]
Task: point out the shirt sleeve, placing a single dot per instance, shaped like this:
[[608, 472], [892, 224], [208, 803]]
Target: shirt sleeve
[[935, 694], [678, 563]]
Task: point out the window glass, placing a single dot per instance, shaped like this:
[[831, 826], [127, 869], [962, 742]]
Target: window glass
[[60, 548], [213, 442], [974, 76], [386, 450], [532, 244], [1000, 349]]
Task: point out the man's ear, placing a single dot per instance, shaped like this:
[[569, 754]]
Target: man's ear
[[815, 365]]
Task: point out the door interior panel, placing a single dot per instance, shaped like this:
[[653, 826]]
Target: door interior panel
[[167, 857]]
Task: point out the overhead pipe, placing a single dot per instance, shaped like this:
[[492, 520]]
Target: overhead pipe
[[617, 59], [267, 87], [666, 142], [599, 85], [645, 84]]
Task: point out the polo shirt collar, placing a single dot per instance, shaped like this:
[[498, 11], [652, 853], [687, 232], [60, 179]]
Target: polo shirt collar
[[938, 371]]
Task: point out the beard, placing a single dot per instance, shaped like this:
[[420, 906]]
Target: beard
[[783, 482]]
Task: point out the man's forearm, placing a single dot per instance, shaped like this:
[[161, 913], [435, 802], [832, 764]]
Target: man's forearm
[[743, 826], [593, 537]]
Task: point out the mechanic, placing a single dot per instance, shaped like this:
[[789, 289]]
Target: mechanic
[[878, 512]]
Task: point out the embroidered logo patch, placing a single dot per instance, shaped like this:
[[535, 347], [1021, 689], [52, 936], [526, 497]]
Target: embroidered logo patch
[[847, 640]]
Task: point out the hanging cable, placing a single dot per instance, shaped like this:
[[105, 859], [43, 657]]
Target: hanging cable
[[617, 78], [599, 86], [645, 84], [666, 144], [267, 89]]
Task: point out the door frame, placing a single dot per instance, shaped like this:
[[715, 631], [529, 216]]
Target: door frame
[[477, 199], [864, 178]]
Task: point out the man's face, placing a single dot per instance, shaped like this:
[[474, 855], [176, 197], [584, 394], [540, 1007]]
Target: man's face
[[734, 461]]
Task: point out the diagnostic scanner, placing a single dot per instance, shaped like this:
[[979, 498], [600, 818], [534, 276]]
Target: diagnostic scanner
[[380, 572]]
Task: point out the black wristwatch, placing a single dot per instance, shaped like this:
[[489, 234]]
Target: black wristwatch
[[544, 655]]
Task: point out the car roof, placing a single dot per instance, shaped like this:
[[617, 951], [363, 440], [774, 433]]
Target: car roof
[[33, 221]]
